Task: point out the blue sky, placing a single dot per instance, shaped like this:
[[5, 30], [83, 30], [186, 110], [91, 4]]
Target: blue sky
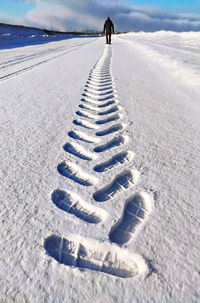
[[19, 8], [136, 15], [14, 8], [171, 5]]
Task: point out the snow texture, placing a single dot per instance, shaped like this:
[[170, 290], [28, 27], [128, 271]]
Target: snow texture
[[12, 36], [99, 153]]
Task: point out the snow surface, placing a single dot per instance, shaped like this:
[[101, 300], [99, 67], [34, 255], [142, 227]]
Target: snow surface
[[12, 36], [100, 170]]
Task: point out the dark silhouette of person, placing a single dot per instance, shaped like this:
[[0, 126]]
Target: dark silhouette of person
[[108, 30]]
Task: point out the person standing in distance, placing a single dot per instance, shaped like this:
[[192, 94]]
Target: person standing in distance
[[108, 30]]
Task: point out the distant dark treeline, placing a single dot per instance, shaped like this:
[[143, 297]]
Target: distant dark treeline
[[51, 32]]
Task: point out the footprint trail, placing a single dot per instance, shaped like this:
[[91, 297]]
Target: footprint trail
[[98, 140]]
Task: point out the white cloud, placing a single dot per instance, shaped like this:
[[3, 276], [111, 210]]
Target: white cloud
[[68, 15], [61, 18]]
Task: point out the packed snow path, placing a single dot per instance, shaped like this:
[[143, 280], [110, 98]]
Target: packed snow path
[[99, 158], [101, 93]]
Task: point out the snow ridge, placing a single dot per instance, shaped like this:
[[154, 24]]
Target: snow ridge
[[99, 127]]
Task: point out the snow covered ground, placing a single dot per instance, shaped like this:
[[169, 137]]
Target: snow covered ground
[[12, 36], [99, 152]]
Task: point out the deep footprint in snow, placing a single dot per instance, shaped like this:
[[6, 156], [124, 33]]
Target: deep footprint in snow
[[99, 85], [100, 77], [100, 73], [108, 120], [78, 151], [78, 135], [85, 124], [121, 182], [86, 114], [90, 101], [99, 82], [108, 103], [94, 256], [94, 93], [74, 172], [73, 204], [136, 210], [114, 161], [109, 111], [87, 106], [110, 130], [100, 88], [116, 141], [96, 105], [98, 98]]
